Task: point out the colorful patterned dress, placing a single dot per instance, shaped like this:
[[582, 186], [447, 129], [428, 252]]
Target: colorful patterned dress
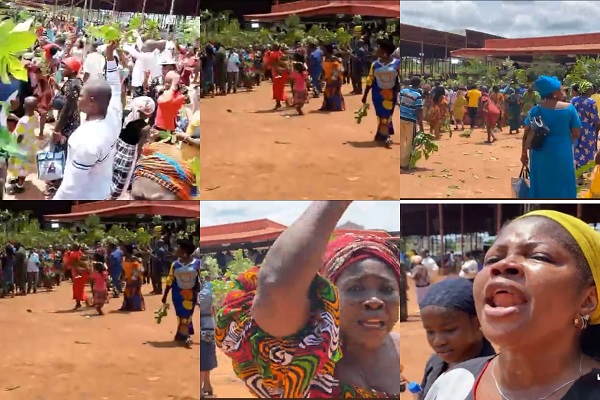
[[183, 279], [333, 100], [587, 144], [300, 366], [383, 78], [132, 295]]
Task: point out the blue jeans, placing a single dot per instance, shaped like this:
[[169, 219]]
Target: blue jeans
[[315, 76], [116, 281]]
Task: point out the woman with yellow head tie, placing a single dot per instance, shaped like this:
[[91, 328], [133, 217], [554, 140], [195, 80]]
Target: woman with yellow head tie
[[537, 301]]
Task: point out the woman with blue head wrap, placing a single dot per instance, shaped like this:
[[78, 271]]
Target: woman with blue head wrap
[[552, 167], [450, 321]]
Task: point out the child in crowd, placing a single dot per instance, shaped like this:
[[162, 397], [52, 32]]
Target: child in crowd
[[99, 282], [29, 141], [299, 77]]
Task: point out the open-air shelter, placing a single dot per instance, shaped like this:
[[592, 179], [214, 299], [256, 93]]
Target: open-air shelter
[[433, 48], [117, 210], [257, 234], [563, 47], [329, 8], [431, 220]]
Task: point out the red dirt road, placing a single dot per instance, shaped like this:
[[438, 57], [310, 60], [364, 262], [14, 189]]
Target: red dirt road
[[249, 152], [49, 352], [465, 168]]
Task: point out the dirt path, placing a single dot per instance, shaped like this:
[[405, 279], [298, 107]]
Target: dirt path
[[466, 168], [250, 152], [51, 352]]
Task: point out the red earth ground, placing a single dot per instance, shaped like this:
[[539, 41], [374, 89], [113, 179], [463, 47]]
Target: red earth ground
[[250, 152], [466, 168], [226, 384], [49, 352]]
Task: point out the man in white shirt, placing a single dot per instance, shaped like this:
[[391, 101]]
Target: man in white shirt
[[89, 167], [470, 268], [144, 65], [94, 64], [429, 263], [33, 270], [233, 71]]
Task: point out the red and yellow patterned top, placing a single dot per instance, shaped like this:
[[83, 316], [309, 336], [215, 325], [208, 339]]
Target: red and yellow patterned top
[[298, 366]]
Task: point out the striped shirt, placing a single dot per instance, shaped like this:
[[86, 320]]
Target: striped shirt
[[411, 101]]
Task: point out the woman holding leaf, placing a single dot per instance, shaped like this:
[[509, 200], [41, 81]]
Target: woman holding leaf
[[383, 79]]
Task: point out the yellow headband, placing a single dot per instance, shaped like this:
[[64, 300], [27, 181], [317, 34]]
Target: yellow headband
[[587, 239]]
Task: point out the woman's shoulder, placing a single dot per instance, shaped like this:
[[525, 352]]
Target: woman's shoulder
[[585, 388]]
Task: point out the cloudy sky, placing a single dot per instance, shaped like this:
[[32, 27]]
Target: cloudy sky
[[509, 18], [370, 214]]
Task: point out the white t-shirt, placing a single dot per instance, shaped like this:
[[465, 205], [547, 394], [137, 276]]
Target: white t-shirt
[[469, 269], [431, 265], [143, 62], [94, 65], [33, 263], [76, 52], [89, 167], [233, 62]]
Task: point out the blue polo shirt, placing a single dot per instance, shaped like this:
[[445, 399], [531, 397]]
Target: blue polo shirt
[[411, 101]]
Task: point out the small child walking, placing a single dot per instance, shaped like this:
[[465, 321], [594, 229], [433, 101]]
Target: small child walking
[[99, 282], [300, 77], [28, 141]]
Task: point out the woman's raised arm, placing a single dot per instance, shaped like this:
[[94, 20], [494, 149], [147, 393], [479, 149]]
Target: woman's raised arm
[[281, 306]]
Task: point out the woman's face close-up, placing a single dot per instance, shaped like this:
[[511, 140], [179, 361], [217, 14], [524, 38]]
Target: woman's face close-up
[[530, 287], [453, 335], [369, 301]]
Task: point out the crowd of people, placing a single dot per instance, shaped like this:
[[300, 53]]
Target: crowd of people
[[568, 115], [142, 116], [312, 71], [111, 271], [489, 328]]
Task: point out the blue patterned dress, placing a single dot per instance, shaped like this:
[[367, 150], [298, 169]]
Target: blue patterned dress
[[383, 78], [586, 146]]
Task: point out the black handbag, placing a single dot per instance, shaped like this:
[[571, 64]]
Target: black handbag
[[538, 131]]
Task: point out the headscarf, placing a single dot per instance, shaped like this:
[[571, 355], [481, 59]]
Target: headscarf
[[350, 248], [453, 293], [584, 86], [140, 108], [162, 163], [587, 239], [546, 85]]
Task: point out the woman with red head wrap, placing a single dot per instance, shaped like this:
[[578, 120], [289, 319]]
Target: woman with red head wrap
[[303, 325]]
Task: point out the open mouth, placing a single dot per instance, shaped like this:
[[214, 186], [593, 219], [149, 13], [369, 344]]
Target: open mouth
[[372, 323], [503, 301]]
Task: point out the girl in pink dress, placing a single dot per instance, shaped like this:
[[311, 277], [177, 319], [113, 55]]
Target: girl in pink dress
[[99, 278], [299, 76]]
